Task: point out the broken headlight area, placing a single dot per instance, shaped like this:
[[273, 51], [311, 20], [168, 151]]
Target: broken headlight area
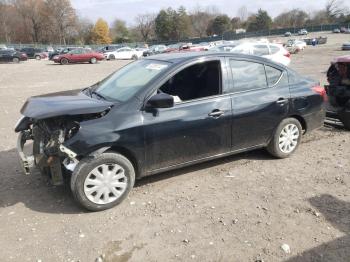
[[49, 154]]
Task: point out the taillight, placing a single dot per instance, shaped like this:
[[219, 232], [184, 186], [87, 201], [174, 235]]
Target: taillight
[[287, 54], [321, 91]]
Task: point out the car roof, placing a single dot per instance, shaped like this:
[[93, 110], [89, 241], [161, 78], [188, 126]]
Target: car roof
[[181, 57]]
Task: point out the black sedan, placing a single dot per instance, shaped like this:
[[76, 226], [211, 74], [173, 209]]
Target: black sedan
[[162, 113], [12, 56]]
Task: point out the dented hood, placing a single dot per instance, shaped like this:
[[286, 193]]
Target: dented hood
[[72, 102]]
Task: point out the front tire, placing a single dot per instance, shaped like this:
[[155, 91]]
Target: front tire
[[111, 57], [286, 138], [64, 61], [38, 57], [134, 57], [15, 60], [102, 182], [93, 60]]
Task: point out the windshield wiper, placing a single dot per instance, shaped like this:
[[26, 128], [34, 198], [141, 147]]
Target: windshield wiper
[[97, 94]]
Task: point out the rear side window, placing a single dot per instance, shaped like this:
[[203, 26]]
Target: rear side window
[[274, 49], [261, 50], [247, 75]]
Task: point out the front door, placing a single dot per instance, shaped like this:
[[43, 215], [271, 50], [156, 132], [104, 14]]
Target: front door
[[198, 126]]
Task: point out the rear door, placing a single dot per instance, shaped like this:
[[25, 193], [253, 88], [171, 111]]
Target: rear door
[[260, 100]]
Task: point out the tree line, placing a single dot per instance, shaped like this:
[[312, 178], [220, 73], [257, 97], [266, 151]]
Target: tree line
[[57, 22]]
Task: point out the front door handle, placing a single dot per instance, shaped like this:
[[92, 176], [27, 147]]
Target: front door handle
[[282, 101], [216, 113]]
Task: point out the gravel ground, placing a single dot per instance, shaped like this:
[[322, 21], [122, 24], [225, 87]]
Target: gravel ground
[[240, 208]]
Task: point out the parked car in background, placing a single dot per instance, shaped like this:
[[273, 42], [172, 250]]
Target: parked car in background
[[154, 50], [61, 51], [123, 53], [37, 53], [287, 34], [338, 91], [80, 55], [302, 32], [345, 30], [146, 118], [223, 48], [299, 44], [12, 56], [173, 47], [336, 30], [274, 52], [3, 47], [346, 47], [109, 48], [193, 48]]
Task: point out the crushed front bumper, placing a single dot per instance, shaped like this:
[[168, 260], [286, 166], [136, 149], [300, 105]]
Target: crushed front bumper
[[26, 161]]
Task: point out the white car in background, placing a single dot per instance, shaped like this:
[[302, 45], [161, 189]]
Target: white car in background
[[123, 53], [274, 52], [300, 44]]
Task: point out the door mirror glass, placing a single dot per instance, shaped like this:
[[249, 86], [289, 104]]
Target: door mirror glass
[[160, 100]]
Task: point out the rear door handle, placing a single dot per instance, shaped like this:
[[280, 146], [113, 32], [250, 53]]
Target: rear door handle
[[281, 101], [216, 113]]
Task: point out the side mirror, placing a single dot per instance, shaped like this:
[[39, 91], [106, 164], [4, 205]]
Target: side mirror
[[160, 100]]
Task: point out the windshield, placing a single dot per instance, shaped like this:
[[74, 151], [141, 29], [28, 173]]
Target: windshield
[[127, 81]]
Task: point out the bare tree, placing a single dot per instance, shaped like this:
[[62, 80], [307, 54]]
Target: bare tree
[[63, 17], [4, 21], [242, 13], [200, 19], [32, 13], [145, 25], [334, 8]]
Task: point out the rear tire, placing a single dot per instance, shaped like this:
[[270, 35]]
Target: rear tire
[[286, 138], [102, 182], [93, 60], [15, 60], [64, 61], [134, 57], [111, 57]]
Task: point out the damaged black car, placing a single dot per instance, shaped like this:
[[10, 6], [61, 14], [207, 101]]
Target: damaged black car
[[338, 91], [163, 113]]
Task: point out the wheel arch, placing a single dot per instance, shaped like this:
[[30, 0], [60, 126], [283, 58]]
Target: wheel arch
[[301, 121], [123, 151]]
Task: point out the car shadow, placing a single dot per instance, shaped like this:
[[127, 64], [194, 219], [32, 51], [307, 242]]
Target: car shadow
[[337, 213], [259, 154], [35, 192]]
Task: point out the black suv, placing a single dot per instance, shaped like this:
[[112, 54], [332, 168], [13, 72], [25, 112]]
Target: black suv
[[162, 113]]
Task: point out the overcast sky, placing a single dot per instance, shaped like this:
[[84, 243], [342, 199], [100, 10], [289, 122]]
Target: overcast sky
[[128, 9]]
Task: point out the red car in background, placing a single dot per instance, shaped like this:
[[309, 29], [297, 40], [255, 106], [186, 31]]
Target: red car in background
[[80, 55]]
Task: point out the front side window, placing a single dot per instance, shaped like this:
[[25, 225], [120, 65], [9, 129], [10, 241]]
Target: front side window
[[194, 82], [247, 75], [76, 51], [126, 82]]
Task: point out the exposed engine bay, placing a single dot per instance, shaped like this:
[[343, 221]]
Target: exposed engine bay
[[49, 154]]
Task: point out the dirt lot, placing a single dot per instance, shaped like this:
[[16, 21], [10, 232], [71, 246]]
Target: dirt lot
[[240, 208]]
